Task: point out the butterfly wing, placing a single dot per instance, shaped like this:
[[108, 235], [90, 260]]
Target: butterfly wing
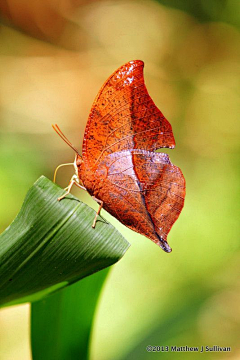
[[148, 189], [124, 117]]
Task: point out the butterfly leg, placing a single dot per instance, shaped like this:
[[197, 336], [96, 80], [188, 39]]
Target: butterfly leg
[[73, 181], [100, 202]]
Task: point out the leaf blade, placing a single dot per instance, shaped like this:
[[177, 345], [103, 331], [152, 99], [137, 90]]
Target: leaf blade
[[52, 242], [63, 321]]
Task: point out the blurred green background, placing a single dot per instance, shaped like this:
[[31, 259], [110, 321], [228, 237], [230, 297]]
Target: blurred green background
[[54, 57]]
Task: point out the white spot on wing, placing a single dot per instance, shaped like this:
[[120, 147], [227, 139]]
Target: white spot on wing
[[129, 80]]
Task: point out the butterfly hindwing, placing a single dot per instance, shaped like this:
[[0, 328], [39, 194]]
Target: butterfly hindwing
[[147, 188], [163, 185]]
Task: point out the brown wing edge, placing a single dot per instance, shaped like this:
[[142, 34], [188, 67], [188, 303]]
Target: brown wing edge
[[163, 243]]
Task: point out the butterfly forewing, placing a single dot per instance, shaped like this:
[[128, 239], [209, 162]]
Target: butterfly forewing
[[124, 117]]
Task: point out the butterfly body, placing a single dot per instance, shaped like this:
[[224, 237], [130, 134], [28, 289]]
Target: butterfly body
[[119, 166]]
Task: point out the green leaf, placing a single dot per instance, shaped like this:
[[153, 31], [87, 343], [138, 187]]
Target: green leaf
[[52, 244], [63, 321]]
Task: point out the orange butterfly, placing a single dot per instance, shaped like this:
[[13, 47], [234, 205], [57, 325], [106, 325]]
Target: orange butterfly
[[118, 166]]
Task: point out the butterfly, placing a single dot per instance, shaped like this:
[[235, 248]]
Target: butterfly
[[119, 166]]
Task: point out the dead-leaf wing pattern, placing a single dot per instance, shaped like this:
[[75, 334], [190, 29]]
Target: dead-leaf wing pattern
[[163, 185], [124, 117], [147, 188]]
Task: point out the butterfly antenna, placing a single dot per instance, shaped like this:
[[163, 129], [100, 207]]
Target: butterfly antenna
[[60, 133]]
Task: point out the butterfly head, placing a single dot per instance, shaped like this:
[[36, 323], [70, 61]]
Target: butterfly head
[[78, 161]]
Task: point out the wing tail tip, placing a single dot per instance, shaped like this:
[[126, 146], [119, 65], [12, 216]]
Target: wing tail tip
[[164, 245]]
